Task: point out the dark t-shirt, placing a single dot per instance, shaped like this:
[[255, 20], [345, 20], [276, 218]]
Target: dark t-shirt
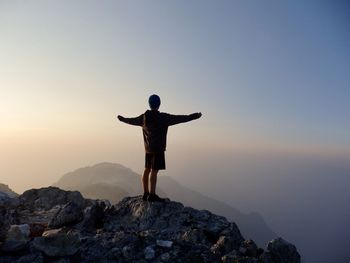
[[155, 127]]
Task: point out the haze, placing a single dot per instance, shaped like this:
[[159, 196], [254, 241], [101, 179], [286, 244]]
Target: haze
[[271, 79]]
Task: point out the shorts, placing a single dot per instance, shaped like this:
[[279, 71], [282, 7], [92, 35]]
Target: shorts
[[155, 161]]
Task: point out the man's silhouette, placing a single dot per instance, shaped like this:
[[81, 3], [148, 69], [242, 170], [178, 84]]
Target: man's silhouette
[[155, 127]]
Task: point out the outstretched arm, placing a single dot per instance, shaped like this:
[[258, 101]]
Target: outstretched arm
[[176, 119], [137, 121]]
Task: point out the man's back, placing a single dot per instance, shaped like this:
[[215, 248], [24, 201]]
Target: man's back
[[155, 129]]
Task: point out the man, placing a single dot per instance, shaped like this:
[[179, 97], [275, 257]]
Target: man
[[155, 127]]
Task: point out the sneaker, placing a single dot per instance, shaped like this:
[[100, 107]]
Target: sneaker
[[145, 196], [154, 198]]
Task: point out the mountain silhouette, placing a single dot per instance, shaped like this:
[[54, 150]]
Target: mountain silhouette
[[114, 181]]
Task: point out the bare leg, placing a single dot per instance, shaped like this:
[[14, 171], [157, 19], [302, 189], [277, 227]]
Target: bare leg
[[153, 181], [144, 180]]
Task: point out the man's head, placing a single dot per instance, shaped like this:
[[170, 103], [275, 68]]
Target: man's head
[[154, 102]]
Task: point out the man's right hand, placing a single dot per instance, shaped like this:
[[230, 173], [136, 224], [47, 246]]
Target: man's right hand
[[197, 115]]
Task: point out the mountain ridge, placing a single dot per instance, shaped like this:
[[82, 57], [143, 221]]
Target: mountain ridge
[[50, 225]]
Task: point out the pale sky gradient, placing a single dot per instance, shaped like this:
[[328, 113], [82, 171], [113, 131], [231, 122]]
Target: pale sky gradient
[[267, 75]]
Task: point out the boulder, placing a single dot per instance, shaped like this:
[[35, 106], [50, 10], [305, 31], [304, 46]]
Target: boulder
[[114, 254], [36, 257], [131, 231], [17, 238], [242, 259], [62, 260], [194, 236], [196, 230], [4, 223], [8, 200], [249, 248], [69, 214], [128, 252], [48, 197], [224, 245], [280, 251], [93, 215], [164, 243], [165, 257], [230, 257], [4, 188], [133, 213], [57, 243], [37, 229], [149, 252]]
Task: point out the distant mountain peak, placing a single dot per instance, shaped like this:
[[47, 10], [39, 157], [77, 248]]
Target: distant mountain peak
[[110, 164]]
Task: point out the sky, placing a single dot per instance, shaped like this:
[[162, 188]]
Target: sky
[[271, 79], [268, 76]]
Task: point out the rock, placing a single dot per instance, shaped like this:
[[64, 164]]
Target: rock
[[36, 257], [37, 229], [4, 223], [98, 248], [32, 257], [93, 215], [114, 254], [249, 248], [69, 214], [61, 260], [149, 252], [127, 252], [56, 243], [194, 236], [224, 245], [280, 251], [233, 232], [52, 232], [25, 216], [230, 257], [242, 250], [243, 259], [133, 213], [105, 204], [130, 231], [48, 197], [8, 201], [164, 243], [165, 257], [17, 238], [234, 258], [7, 190]]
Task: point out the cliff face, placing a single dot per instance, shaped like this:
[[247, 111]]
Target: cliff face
[[50, 224]]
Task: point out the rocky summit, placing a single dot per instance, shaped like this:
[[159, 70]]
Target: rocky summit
[[53, 225]]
